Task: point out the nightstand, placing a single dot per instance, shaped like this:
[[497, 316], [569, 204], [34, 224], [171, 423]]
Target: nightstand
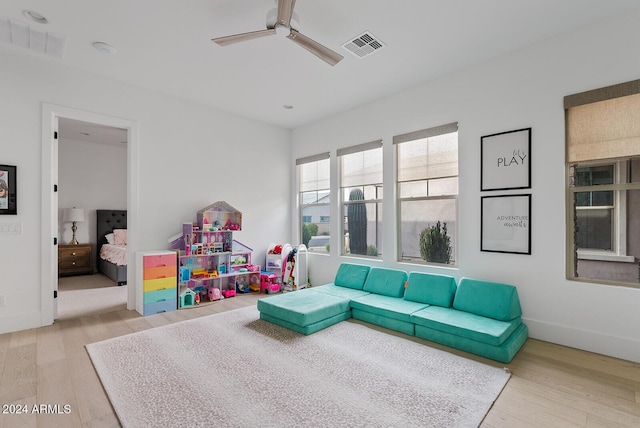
[[75, 259]]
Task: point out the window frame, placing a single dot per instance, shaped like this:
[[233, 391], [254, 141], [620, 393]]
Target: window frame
[[406, 138], [618, 250], [627, 135], [299, 194], [344, 204]]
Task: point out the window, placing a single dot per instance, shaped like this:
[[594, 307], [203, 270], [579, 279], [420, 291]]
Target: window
[[427, 193], [594, 210], [314, 196], [361, 199], [603, 185]]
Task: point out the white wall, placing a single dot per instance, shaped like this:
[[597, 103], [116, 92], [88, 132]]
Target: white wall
[[90, 176], [523, 89], [189, 156]]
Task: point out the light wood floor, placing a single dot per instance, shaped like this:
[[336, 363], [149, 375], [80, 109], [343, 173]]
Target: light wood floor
[[551, 386]]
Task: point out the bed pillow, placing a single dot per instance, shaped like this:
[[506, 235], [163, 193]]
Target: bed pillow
[[110, 237], [120, 236]]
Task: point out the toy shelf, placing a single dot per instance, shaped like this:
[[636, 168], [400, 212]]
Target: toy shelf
[[198, 273], [289, 263]]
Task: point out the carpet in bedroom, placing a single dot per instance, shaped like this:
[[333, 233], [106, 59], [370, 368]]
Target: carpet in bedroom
[[84, 295], [235, 370]]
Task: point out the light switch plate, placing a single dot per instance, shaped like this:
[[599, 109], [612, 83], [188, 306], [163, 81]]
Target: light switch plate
[[11, 228]]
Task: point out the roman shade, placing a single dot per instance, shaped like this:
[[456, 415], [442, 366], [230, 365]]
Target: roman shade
[[441, 159], [603, 123]]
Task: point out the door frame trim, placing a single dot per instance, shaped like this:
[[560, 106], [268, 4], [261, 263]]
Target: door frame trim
[[49, 214]]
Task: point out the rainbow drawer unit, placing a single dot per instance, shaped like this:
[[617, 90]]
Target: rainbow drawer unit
[[156, 282]]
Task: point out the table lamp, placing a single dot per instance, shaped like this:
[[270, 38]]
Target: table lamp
[[73, 215]]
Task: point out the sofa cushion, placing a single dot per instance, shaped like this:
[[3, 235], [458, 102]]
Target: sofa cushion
[[347, 293], [309, 328], [431, 288], [351, 275], [465, 324], [503, 353], [386, 282], [391, 307], [303, 307], [489, 299]]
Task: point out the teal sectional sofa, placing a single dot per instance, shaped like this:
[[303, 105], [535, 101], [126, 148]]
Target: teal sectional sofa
[[480, 317]]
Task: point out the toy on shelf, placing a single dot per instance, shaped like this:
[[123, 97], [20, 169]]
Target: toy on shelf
[[187, 297], [213, 293], [242, 284], [269, 282]]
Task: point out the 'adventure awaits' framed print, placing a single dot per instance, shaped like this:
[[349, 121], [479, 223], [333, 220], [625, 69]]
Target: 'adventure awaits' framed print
[[506, 224]]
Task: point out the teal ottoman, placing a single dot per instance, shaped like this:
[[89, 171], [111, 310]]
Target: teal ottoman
[[304, 311]]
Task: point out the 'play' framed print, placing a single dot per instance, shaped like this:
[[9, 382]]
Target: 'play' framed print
[[505, 160]]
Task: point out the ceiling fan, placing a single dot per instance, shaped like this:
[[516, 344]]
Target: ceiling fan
[[283, 26]]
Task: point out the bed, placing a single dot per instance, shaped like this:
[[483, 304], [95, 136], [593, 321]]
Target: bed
[[107, 221]]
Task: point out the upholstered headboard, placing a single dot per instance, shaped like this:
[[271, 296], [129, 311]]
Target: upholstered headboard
[[106, 221]]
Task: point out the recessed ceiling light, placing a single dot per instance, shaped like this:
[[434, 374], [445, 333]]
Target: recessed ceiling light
[[288, 106], [104, 48], [35, 16]]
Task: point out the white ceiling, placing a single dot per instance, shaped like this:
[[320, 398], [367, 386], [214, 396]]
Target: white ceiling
[[165, 45], [69, 129]]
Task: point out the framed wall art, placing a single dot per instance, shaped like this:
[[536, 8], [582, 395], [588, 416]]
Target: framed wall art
[[505, 160], [506, 224], [8, 197]]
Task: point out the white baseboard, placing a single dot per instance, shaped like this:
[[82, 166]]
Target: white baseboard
[[18, 322], [614, 346]]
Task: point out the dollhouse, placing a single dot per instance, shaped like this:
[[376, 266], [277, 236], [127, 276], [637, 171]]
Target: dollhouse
[[209, 258]]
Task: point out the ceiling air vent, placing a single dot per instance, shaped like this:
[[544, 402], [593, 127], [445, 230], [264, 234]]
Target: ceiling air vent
[[363, 45], [23, 36]]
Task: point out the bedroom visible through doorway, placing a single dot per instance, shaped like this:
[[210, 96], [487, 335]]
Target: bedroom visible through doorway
[[92, 175]]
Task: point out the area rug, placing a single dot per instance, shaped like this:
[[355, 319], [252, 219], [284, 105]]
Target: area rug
[[234, 370]]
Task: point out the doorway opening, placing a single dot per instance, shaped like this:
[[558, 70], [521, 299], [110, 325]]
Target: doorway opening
[[54, 231], [92, 175]]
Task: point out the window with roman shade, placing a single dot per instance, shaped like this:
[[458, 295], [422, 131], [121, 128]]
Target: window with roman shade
[[427, 194], [361, 199], [603, 184], [314, 196]]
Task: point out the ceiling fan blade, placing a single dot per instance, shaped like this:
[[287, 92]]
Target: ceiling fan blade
[[285, 11], [322, 52], [228, 40]]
